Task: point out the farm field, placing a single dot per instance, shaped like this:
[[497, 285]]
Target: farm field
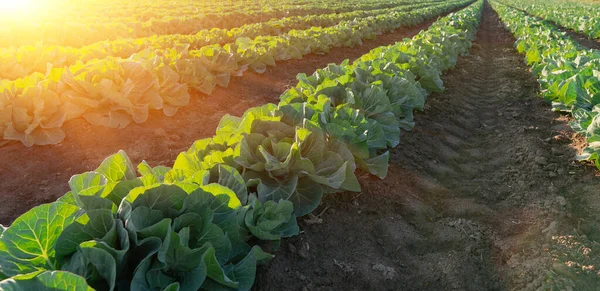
[[300, 145]]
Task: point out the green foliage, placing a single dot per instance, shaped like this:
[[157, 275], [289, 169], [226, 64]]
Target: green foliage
[[200, 224], [576, 15], [115, 84], [569, 74], [46, 280], [270, 221], [142, 237]]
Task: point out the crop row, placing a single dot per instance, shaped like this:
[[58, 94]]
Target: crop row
[[136, 10], [569, 74], [77, 34], [203, 224], [113, 92], [141, 11], [19, 62], [580, 17]]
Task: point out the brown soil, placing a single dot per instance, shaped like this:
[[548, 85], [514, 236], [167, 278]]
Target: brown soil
[[31, 176], [484, 194]]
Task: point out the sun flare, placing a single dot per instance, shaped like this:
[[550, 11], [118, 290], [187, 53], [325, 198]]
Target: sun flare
[[19, 10], [11, 6]]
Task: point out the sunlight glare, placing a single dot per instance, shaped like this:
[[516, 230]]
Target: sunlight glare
[[19, 10], [14, 6]]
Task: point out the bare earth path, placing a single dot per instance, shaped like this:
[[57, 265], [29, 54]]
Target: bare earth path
[[484, 194], [480, 196]]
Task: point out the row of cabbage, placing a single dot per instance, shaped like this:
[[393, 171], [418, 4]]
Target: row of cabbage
[[19, 62], [192, 7], [114, 92], [132, 11], [569, 74], [80, 33], [142, 11], [203, 224], [578, 16]]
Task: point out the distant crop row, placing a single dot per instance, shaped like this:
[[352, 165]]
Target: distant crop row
[[145, 11], [580, 17], [203, 223], [114, 92], [80, 33], [141, 11], [19, 62]]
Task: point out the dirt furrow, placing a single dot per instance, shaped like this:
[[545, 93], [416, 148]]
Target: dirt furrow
[[477, 196]]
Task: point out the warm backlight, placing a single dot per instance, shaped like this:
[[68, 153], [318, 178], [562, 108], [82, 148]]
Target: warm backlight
[[15, 6], [15, 10]]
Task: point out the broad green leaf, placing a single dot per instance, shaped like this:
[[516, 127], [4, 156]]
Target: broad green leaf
[[142, 217], [166, 198], [246, 155], [350, 182], [188, 162], [46, 281], [172, 287], [533, 55], [201, 177], [311, 143], [199, 200], [185, 281], [231, 178], [116, 191], [213, 234], [95, 223], [160, 231], [568, 92], [390, 126], [117, 167], [95, 264], [182, 258], [331, 172], [271, 189], [88, 184], [219, 190], [30, 240], [271, 220], [245, 270], [215, 271], [377, 166], [68, 198], [177, 175], [262, 257], [158, 172], [306, 197]]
